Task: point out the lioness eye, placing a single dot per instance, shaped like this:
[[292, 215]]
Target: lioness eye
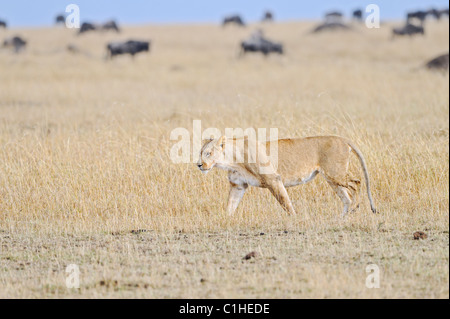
[[208, 154]]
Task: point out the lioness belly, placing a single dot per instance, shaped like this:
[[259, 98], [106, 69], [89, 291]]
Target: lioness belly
[[294, 181]]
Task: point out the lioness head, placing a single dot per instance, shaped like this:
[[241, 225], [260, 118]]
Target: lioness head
[[212, 153]]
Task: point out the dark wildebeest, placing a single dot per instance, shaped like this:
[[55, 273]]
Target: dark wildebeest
[[60, 19], [419, 15], [257, 43], [331, 26], [358, 15], [2, 24], [267, 17], [15, 42], [333, 16], [434, 13], [408, 29], [233, 19], [110, 25], [86, 26], [130, 47], [439, 64]]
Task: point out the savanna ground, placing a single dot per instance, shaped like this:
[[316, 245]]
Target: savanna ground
[[84, 164]]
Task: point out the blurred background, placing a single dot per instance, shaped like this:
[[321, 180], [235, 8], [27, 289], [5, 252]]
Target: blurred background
[[41, 13]]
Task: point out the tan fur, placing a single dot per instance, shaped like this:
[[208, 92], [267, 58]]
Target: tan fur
[[299, 161]]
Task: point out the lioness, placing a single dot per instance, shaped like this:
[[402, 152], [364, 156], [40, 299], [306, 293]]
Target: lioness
[[298, 162]]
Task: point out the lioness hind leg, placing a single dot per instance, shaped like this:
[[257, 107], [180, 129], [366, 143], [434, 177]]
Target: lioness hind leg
[[354, 187], [343, 194]]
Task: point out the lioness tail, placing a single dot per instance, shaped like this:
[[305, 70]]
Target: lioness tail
[[366, 173]]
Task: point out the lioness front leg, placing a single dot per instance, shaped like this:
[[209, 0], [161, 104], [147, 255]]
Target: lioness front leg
[[278, 190], [235, 196]]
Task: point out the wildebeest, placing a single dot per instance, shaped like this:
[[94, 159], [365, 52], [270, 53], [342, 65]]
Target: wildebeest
[[440, 63], [435, 13], [418, 15], [16, 42], [130, 47], [60, 19], [109, 25], [3, 24], [267, 17], [331, 26], [86, 26], [408, 29], [333, 15], [257, 43], [358, 15], [236, 19]]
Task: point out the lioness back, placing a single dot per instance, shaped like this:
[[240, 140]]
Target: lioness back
[[300, 157]]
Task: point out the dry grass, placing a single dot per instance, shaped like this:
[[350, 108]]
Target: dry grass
[[84, 148]]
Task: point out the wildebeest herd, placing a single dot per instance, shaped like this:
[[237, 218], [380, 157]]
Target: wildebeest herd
[[257, 42], [408, 29], [334, 21], [415, 21], [109, 25]]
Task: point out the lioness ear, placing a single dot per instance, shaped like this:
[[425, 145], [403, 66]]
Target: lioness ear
[[207, 140], [221, 142]]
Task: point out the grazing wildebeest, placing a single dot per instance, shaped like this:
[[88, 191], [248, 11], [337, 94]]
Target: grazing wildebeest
[[408, 29], [3, 24], [358, 15], [267, 17], [419, 15], [60, 19], [333, 15], [257, 43], [435, 13], [439, 64], [110, 25], [233, 19], [130, 47], [86, 26], [331, 26], [15, 42]]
